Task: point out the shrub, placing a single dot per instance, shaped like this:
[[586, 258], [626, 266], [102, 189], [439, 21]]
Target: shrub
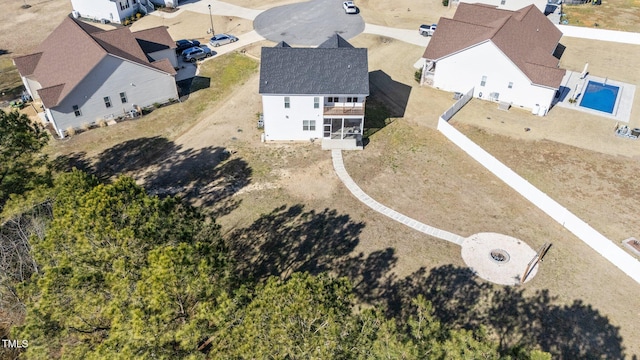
[[156, 105], [138, 15], [418, 75], [71, 131], [102, 123], [126, 22], [445, 2], [85, 126]]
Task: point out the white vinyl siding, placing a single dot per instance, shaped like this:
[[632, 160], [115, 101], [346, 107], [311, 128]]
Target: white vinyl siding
[[308, 125], [143, 87], [462, 71]]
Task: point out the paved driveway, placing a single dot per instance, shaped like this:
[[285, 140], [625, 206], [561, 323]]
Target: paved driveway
[[308, 23]]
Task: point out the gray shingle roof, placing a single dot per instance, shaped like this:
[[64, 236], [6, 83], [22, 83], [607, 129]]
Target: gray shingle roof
[[324, 70]]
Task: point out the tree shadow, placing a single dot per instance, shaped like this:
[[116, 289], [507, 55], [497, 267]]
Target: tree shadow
[[208, 176], [290, 239], [460, 300]]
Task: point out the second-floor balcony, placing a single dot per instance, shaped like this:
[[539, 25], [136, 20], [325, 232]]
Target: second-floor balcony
[[347, 109]]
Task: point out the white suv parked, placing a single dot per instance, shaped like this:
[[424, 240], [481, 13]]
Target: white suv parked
[[349, 7], [427, 30]]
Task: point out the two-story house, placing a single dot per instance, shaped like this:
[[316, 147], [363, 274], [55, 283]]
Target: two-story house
[[115, 11], [315, 93], [83, 74]]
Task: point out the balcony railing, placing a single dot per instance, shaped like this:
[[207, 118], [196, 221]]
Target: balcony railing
[[344, 110]]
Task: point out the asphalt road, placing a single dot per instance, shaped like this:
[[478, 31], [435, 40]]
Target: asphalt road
[[308, 23]]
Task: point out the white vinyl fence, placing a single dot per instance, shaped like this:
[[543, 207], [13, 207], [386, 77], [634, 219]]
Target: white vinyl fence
[[605, 247]]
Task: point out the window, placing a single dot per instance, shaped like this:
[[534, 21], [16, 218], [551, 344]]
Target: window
[[76, 110], [502, 2], [332, 99], [308, 125], [352, 99], [123, 97], [510, 85], [484, 80], [107, 101], [287, 102], [316, 102]]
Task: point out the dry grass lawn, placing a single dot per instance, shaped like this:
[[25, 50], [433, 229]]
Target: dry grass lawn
[[412, 168], [612, 14], [192, 25], [406, 14]]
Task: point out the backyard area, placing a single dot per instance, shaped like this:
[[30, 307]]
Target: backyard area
[[282, 208]]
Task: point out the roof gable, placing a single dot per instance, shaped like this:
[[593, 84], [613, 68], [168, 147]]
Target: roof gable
[[525, 36], [314, 71], [154, 39], [27, 64], [72, 50]]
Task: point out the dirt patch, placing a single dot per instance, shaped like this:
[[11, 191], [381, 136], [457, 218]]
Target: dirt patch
[[24, 29], [193, 25], [405, 14]]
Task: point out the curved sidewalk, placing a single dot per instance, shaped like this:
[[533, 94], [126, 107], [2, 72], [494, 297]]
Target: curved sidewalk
[[338, 165]]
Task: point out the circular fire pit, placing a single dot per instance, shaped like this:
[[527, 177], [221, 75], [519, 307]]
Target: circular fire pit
[[499, 255], [498, 258]]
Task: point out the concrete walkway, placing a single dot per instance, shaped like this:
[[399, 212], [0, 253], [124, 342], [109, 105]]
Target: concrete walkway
[[624, 37], [338, 165]]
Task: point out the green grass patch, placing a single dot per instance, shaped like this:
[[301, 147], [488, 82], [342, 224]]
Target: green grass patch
[[10, 82]]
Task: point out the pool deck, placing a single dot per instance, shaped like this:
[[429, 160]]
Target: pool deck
[[572, 84]]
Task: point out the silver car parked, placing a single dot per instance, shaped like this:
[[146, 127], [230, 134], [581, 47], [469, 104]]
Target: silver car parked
[[222, 39], [196, 53]]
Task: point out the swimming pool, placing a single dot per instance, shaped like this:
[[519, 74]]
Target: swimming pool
[[599, 96]]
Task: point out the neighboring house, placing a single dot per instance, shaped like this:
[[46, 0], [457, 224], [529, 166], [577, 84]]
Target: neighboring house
[[83, 74], [166, 3], [506, 56], [509, 4], [115, 11], [315, 93], [550, 8]]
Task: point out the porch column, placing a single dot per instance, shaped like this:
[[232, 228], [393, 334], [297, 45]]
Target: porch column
[[342, 130]]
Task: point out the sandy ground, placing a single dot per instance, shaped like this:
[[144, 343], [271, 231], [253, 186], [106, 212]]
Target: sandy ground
[[24, 29], [192, 25], [409, 166], [406, 14]]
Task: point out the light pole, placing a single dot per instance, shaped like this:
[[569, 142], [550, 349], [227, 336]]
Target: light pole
[[211, 18]]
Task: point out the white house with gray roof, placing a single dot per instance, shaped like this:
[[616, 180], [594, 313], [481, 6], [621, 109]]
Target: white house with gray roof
[[315, 93]]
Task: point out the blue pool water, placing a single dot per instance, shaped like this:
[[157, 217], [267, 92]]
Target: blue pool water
[[599, 96]]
